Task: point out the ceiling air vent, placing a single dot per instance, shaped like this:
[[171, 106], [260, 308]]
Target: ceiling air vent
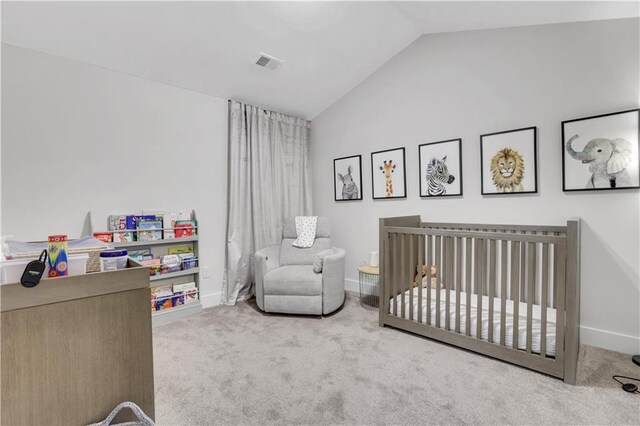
[[269, 62]]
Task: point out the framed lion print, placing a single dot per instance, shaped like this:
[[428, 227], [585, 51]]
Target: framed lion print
[[509, 162], [601, 152]]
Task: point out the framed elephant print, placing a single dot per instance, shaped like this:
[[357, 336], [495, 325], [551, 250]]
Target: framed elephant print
[[347, 178], [440, 168], [601, 152], [388, 174], [508, 162]]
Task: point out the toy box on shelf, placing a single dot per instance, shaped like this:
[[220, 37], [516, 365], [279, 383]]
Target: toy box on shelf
[[167, 243]]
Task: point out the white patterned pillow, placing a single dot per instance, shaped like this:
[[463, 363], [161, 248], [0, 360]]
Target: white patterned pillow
[[306, 230]]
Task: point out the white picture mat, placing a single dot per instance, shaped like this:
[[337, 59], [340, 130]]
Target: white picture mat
[[379, 182], [342, 167], [521, 141], [451, 150], [624, 126]]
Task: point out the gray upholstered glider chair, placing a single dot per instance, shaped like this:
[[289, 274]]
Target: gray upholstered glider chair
[[285, 277]]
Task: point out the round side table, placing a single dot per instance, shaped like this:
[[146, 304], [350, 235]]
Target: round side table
[[369, 285]]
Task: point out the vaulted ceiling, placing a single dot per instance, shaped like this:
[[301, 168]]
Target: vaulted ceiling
[[211, 47]]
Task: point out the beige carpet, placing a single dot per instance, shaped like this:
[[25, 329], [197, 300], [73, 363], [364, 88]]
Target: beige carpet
[[236, 365]]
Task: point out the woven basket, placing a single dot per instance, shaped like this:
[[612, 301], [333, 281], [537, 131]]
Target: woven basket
[[93, 263]]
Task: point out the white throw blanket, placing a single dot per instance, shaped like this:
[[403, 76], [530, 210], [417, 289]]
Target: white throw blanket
[[306, 230]]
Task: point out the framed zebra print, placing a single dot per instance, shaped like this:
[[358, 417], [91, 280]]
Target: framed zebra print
[[347, 178], [440, 165], [388, 174], [508, 162]]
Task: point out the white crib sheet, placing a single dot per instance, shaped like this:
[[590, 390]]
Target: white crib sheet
[[522, 318]]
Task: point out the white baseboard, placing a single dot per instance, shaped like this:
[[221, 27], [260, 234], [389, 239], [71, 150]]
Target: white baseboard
[[610, 340], [353, 286], [211, 299], [588, 335]]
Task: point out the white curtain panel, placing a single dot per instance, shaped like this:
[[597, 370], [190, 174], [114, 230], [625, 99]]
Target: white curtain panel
[[269, 180]]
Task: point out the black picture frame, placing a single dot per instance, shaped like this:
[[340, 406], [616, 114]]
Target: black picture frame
[[335, 178], [421, 169], [376, 168], [564, 151], [484, 190]]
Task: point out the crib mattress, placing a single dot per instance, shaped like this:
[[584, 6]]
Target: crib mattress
[[522, 318]]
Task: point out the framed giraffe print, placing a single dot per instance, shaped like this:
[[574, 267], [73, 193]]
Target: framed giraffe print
[[440, 168], [388, 174], [347, 178]]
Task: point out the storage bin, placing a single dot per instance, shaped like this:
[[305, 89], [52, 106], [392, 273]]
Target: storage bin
[[11, 270], [112, 260]]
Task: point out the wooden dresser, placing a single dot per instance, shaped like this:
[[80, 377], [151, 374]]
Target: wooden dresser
[[75, 347]]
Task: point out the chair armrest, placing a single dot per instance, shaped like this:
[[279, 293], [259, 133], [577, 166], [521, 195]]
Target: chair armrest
[[266, 259], [333, 281]]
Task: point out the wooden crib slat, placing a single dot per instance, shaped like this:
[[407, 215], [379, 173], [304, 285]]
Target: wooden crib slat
[[429, 263], [438, 277], [480, 261], [523, 278], [395, 272], [492, 284], [403, 274], [420, 263], [503, 292], [469, 242], [543, 300], [531, 286], [448, 258], [515, 289], [559, 289], [458, 280], [411, 272]]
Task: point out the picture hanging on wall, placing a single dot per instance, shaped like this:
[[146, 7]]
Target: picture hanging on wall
[[509, 162], [440, 168], [388, 174], [601, 152], [347, 178]]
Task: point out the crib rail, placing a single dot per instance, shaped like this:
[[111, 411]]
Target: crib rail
[[494, 288]]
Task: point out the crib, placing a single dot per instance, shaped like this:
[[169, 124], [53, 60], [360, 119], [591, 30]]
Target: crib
[[506, 291]]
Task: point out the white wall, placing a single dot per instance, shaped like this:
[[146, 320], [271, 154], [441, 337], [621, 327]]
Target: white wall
[[468, 83], [79, 138]]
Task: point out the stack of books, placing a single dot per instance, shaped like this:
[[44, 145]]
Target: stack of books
[[167, 296], [178, 258]]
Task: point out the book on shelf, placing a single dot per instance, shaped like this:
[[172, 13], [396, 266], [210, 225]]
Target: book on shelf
[[153, 264], [180, 250], [161, 298], [140, 254], [149, 230], [118, 225], [171, 263], [169, 220], [188, 290], [185, 228]]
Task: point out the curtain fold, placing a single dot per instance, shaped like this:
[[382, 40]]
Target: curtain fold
[[269, 178]]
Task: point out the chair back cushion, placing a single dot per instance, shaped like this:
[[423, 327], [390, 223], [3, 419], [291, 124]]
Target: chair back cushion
[[323, 230], [290, 255]]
